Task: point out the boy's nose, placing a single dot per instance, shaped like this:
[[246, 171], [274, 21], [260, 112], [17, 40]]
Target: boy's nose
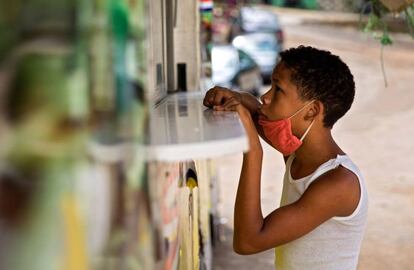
[[264, 99]]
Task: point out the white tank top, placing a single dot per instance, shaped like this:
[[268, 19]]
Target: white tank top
[[333, 245]]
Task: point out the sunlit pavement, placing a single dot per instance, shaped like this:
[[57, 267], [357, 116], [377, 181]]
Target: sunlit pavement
[[376, 134]]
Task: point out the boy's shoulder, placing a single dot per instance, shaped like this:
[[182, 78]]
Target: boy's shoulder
[[343, 187], [340, 177]]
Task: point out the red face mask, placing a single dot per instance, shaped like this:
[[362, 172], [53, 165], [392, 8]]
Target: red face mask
[[280, 135]]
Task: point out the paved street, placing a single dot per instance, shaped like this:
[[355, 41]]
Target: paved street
[[377, 134]]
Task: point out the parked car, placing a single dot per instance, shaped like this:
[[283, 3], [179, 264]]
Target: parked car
[[235, 69], [255, 19], [264, 48]]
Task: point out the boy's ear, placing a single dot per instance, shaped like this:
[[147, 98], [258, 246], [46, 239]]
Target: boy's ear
[[315, 110]]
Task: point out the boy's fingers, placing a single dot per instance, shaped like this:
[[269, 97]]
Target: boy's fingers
[[227, 104], [218, 98], [210, 96], [228, 101], [232, 105], [206, 101], [224, 107], [231, 108], [232, 100], [211, 99]]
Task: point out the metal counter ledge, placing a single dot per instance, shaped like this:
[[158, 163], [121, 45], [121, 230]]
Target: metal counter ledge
[[182, 128]]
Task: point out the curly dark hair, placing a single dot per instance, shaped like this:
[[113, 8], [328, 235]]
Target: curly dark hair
[[320, 75]]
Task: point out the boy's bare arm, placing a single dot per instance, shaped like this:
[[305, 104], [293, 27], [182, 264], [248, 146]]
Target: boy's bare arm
[[250, 102], [335, 193]]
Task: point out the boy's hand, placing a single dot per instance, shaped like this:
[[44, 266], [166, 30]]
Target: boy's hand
[[219, 95], [234, 104]]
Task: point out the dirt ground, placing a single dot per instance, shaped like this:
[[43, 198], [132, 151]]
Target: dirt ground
[[376, 133]]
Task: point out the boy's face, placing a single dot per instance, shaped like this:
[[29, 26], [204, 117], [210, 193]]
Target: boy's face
[[282, 100]]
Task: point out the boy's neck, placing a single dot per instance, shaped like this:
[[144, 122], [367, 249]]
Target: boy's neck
[[317, 148]]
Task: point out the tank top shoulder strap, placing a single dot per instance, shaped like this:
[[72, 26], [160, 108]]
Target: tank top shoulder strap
[[290, 160], [330, 165]]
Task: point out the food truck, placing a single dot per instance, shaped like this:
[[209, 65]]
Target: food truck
[[107, 153]]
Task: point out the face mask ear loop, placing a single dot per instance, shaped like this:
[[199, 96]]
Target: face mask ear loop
[[301, 109], [307, 130]]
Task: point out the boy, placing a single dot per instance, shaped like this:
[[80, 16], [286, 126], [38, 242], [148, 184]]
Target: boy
[[323, 210]]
